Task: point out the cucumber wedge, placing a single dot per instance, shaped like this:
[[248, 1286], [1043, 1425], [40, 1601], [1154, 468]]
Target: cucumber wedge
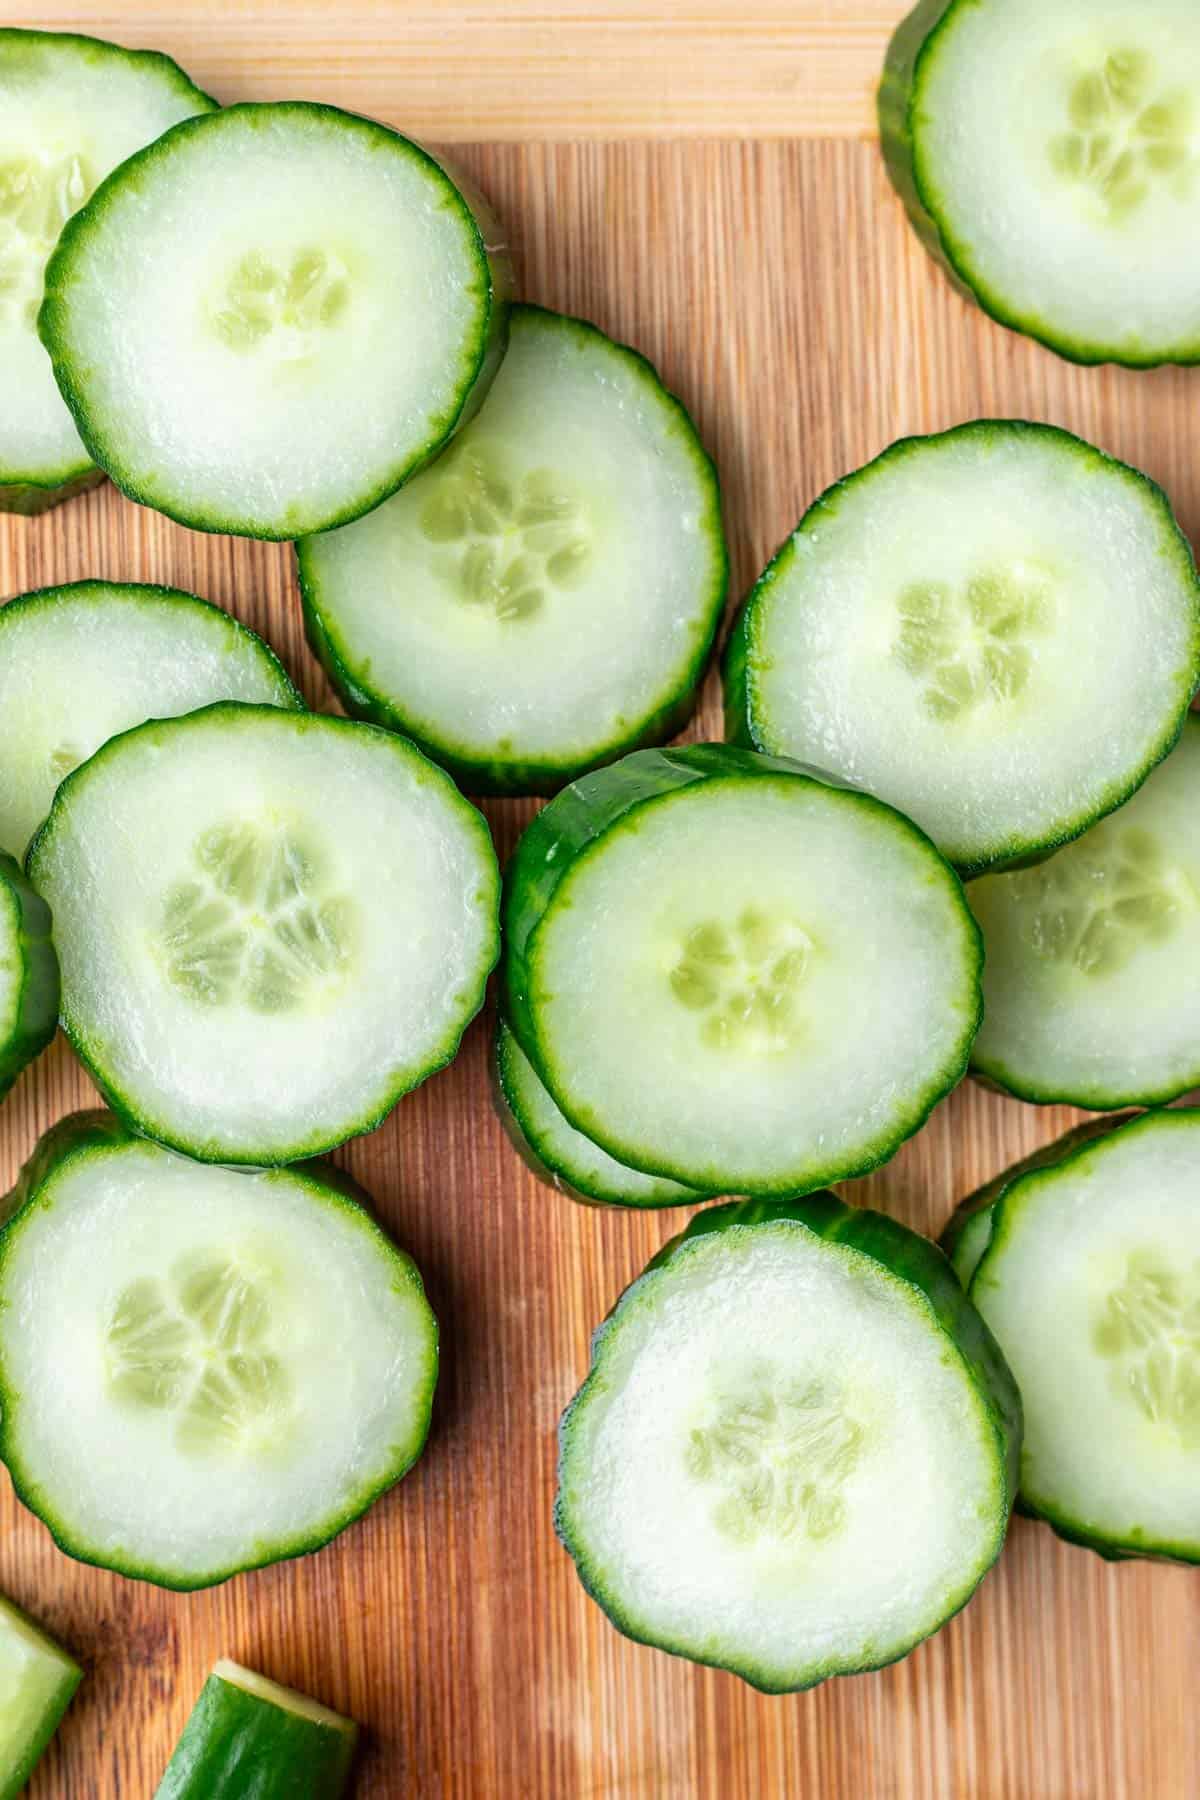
[[546, 596], [731, 974], [71, 109], [272, 926], [37, 1681], [795, 1454], [271, 318], [29, 977], [80, 663], [1049, 157], [248, 1735], [996, 629], [202, 1370]]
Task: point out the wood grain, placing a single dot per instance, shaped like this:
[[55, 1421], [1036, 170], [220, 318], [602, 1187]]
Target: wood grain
[[777, 286]]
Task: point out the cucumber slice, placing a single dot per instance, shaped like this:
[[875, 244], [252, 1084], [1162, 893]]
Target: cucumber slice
[[271, 318], [80, 663], [272, 926], [37, 1681], [1049, 157], [730, 974], [546, 596], [71, 109], [183, 1397], [795, 1453], [1091, 1282], [248, 1735], [996, 629], [29, 978]]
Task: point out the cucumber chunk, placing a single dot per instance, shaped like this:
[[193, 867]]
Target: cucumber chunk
[[248, 1735], [996, 629], [29, 976], [1090, 1280], [272, 925], [184, 1394], [795, 1453], [546, 596], [274, 316], [37, 1682], [731, 974], [1049, 157], [80, 663], [71, 109]]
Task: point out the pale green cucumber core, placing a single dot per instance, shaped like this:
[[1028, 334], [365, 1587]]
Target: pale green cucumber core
[[38, 193], [744, 982], [277, 309], [1097, 903], [1147, 1328], [967, 647], [1128, 131]]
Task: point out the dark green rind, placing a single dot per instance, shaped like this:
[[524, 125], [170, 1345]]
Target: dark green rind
[[29, 499], [495, 280], [237, 1745], [86, 1134], [13, 1780], [36, 1018], [911, 1259], [743, 728]]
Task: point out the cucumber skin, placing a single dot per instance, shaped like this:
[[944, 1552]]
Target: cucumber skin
[[38, 1002], [238, 1746], [12, 1781], [29, 499], [904, 1254]]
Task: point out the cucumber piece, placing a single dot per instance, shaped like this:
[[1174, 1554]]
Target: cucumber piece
[[29, 977], [250, 1736], [795, 1453], [183, 1397], [729, 973], [80, 663], [272, 925], [271, 318], [1091, 1282], [546, 596], [71, 109], [1049, 157], [996, 629], [37, 1682]]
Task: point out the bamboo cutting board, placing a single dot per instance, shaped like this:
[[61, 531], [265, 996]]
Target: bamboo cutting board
[[777, 285]]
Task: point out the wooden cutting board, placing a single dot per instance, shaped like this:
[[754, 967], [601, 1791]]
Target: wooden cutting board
[[777, 286]]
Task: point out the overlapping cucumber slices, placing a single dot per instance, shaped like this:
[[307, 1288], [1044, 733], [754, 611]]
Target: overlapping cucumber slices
[[29, 977]]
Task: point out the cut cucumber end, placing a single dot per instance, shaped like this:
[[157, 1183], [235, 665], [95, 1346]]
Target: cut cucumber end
[[37, 1682], [29, 974], [297, 1749]]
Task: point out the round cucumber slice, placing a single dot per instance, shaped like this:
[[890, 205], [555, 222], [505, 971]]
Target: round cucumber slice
[[729, 973], [71, 109], [795, 1453], [297, 1749], [996, 629], [272, 926], [183, 1394], [546, 596], [29, 979], [37, 1682], [1049, 156], [80, 663], [271, 318]]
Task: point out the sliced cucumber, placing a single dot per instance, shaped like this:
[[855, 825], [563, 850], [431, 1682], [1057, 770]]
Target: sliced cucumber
[[29, 977], [80, 663], [546, 596], [202, 1370], [37, 1681], [730, 974], [1049, 156], [273, 317], [1091, 1282], [996, 629], [249, 1736], [71, 109], [272, 925]]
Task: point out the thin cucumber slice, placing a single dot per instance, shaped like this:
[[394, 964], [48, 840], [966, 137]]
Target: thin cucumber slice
[[202, 1370], [795, 1453], [80, 663], [272, 925], [271, 318], [1049, 157], [996, 629], [546, 596], [729, 973], [37, 1681], [1091, 1282], [249, 1736], [29, 977], [71, 109]]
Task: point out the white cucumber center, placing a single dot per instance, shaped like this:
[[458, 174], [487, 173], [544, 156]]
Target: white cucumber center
[[744, 982], [969, 646], [280, 308], [38, 193], [1128, 131], [1147, 1328]]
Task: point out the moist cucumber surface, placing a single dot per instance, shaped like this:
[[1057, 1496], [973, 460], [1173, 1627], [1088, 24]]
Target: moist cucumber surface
[[71, 109], [272, 925], [80, 663], [1050, 157], [546, 595], [37, 1680], [731, 974], [202, 1370], [996, 629], [29, 975], [248, 1735], [265, 327], [795, 1453]]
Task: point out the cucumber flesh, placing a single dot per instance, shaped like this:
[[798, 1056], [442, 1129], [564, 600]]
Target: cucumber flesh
[[29, 974], [37, 1681], [250, 1735]]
